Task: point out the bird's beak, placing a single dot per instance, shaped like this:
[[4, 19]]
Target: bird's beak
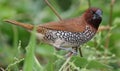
[[99, 12]]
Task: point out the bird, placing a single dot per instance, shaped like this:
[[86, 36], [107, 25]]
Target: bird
[[67, 34]]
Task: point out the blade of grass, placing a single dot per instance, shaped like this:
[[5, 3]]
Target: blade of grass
[[53, 9], [29, 59], [65, 63], [15, 34], [37, 65]]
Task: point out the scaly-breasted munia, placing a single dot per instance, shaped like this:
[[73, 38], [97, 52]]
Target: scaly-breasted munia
[[70, 33]]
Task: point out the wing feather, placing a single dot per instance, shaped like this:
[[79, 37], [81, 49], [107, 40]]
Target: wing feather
[[71, 25]]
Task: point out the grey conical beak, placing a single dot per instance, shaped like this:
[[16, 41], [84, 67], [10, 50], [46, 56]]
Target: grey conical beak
[[99, 12]]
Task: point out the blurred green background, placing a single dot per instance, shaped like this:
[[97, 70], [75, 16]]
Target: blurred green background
[[102, 53]]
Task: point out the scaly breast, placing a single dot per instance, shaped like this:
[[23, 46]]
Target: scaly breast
[[69, 38]]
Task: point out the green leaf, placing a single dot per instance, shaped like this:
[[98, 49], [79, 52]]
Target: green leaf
[[97, 65], [84, 63], [29, 59], [80, 61], [45, 49]]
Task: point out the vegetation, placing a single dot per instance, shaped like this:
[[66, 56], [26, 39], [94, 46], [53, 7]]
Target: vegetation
[[20, 51]]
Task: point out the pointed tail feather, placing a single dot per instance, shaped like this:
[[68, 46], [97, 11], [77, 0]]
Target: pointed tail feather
[[26, 26]]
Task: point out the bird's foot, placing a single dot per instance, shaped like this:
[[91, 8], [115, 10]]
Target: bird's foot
[[57, 48], [69, 54], [63, 48]]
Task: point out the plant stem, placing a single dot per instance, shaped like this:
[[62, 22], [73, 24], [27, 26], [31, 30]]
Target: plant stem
[[110, 23], [65, 63], [89, 3], [29, 58], [15, 36], [53, 9], [111, 12]]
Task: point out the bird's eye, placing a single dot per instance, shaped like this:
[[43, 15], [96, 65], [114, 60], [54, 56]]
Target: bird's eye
[[92, 12]]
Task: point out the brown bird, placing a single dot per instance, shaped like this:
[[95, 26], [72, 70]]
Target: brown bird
[[68, 34]]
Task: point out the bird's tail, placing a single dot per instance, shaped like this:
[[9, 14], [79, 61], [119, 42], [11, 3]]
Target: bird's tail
[[26, 26]]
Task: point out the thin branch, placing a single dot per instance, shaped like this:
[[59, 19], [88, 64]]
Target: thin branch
[[53, 9], [103, 28], [110, 23], [89, 3], [65, 63], [111, 11]]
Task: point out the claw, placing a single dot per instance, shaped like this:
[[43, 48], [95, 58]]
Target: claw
[[69, 54]]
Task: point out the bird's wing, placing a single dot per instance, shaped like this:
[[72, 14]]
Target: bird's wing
[[71, 25]]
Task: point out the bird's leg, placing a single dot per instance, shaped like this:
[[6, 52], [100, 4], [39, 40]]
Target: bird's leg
[[71, 51], [74, 51], [80, 52], [63, 48]]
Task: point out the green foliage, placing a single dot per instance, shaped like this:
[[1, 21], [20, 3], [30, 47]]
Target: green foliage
[[15, 56], [90, 64], [29, 58]]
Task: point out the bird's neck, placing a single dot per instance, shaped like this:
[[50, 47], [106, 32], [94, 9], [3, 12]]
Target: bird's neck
[[94, 23]]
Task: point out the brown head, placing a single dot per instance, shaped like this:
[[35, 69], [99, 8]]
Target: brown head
[[93, 16]]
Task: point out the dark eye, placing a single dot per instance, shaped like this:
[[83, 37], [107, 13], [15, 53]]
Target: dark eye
[[92, 12]]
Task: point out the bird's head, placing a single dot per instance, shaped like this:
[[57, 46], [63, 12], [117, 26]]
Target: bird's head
[[93, 16]]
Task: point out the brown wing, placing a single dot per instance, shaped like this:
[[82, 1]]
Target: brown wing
[[71, 25]]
